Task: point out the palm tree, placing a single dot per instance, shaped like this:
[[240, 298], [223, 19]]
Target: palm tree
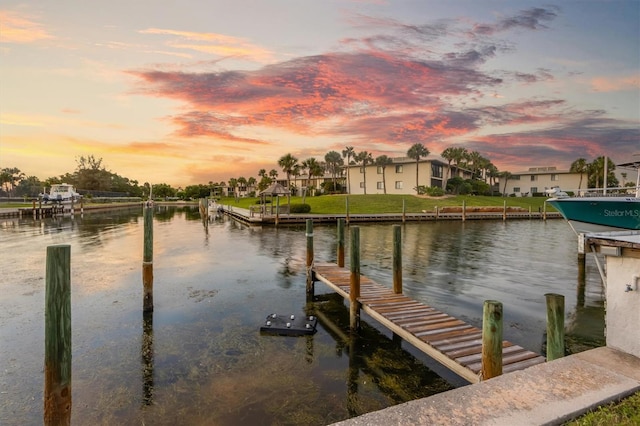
[[290, 166], [383, 161], [448, 154], [273, 174], [579, 166], [314, 169], [416, 152], [233, 182], [459, 156], [348, 153], [365, 158], [334, 163], [506, 176]]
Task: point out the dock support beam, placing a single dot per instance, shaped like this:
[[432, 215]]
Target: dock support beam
[[555, 326], [341, 243], [354, 279], [491, 339], [57, 337], [147, 261], [397, 259], [310, 276]]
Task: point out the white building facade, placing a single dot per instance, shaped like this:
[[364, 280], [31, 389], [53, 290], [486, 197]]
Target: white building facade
[[538, 179]]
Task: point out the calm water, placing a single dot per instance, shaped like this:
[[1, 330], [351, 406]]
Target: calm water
[[200, 359]]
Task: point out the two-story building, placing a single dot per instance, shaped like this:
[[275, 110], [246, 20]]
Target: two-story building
[[538, 179], [400, 176]]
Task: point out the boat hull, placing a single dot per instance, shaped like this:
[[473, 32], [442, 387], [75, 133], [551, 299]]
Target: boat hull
[[599, 214]]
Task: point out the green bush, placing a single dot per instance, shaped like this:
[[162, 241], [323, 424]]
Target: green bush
[[299, 208], [434, 191]]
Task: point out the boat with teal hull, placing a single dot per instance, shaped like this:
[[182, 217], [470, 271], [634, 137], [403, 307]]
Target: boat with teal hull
[[599, 214]]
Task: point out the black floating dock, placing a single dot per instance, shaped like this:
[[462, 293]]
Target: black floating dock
[[289, 325]]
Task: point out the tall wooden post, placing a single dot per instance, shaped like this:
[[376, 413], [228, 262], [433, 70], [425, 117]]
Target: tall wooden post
[[544, 211], [504, 210], [404, 210], [555, 326], [310, 277], [464, 210], [397, 259], [277, 210], [491, 339], [57, 337], [354, 279], [147, 261], [341, 243]]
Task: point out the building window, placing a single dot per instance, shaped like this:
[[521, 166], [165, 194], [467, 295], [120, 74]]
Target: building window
[[380, 185], [534, 190], [534, 178], [436, 170], [399, 183], [380, 170], [516, 189], [398, 169], [554, 177], [516, 177]]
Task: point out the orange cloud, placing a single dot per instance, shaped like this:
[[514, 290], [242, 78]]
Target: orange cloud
[[211, 43], [17, 28], [613, 84]]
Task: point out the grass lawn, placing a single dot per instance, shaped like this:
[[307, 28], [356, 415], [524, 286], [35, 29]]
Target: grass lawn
[[623, 413], [334, 204]]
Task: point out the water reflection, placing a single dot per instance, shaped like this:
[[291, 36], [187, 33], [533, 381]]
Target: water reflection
[[200, 357]]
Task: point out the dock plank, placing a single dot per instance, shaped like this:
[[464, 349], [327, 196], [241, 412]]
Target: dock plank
[[450, 341]]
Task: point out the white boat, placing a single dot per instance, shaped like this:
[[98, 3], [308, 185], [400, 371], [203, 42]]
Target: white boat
[[602, 213], [61, 193]]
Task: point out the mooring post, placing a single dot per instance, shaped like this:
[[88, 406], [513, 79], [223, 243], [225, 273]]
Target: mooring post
[[34, 210], [354, 279], [310, 272], [346, 201], [491, 339], [436, 212], [397, 259], [504, 210], [404, 210], [57, 336], [147, 261], [544, 211], [464, 210], [341, 243], [555, 326], [277, 210]]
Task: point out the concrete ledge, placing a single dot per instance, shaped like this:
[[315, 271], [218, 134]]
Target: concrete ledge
[[549, 393]]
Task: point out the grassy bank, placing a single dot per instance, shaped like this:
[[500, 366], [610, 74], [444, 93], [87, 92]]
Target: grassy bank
[[333, 204], [623, 413]]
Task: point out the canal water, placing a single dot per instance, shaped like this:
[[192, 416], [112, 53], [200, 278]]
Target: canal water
[[200, 358]]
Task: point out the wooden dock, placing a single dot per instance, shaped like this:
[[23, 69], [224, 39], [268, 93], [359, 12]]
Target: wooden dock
[[450, 341]]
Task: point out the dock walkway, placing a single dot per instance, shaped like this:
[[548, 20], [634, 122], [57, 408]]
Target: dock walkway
[[450, 341]]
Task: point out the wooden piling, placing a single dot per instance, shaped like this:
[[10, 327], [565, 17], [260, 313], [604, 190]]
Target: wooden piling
[[504, 210], [277, 210], [354, 279], [544, 211], [57, 354], [555, 326], [404, 210], [309, 235], [464, 210], [397, 259], [491, 339], [147, 261], [341, 243]]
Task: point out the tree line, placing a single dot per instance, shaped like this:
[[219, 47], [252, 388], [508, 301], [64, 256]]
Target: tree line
[[92, 176]]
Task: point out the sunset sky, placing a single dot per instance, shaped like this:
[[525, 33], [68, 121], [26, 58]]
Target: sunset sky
[[187, 92]]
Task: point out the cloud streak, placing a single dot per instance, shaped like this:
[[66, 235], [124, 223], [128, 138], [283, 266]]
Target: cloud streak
[[392, 89]]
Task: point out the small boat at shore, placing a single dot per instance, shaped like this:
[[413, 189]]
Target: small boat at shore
[[61, 193]]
